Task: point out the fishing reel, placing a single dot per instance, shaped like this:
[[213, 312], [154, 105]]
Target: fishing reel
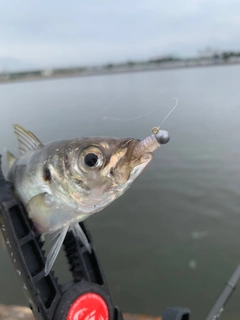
[[86, 297]]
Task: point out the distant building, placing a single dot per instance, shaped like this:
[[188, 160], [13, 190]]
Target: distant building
[[208, 53], [47, 73]]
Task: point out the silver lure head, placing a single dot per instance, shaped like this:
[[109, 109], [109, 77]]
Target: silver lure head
[[162, 136]]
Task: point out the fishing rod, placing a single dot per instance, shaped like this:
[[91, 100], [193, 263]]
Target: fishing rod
[[219, 305], [86, 297]]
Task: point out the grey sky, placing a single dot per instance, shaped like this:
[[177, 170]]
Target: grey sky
[[75, 32]]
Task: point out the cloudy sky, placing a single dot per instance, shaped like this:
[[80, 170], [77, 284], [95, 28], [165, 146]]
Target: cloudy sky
[[43, 34]]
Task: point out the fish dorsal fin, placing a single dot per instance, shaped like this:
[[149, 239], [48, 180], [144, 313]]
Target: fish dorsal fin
[[11, 159], [27, 140]]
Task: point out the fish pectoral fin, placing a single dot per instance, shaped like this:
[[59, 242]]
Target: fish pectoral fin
[[40, 212], [59, 237], [79, 233], [26, 139]]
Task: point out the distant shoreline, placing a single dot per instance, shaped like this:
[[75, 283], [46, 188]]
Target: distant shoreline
[[38, 75]]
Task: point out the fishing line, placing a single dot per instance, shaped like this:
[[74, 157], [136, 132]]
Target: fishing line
[[110, 105], [113, 102], [175, 106], [130, 119], [155, 130]]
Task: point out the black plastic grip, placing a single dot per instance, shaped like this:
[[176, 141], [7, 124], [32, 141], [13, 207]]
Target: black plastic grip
[[42, 293]]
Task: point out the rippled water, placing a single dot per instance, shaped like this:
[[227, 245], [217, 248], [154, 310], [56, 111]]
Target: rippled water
[[173, 238]]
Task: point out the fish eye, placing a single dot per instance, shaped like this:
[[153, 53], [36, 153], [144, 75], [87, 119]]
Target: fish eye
[[91, 159]]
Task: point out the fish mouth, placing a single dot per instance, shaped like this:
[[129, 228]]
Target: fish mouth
[[128, 161], [138, 155], [151, 143]]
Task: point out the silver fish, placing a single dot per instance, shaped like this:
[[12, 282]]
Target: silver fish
[[63, 182]]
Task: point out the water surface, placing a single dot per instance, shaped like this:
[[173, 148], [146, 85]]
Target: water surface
[[173, 238]]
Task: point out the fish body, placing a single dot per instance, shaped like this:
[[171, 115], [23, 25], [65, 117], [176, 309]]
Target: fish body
[[63, 182]]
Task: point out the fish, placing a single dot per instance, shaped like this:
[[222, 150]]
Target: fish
[[63, 182]]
